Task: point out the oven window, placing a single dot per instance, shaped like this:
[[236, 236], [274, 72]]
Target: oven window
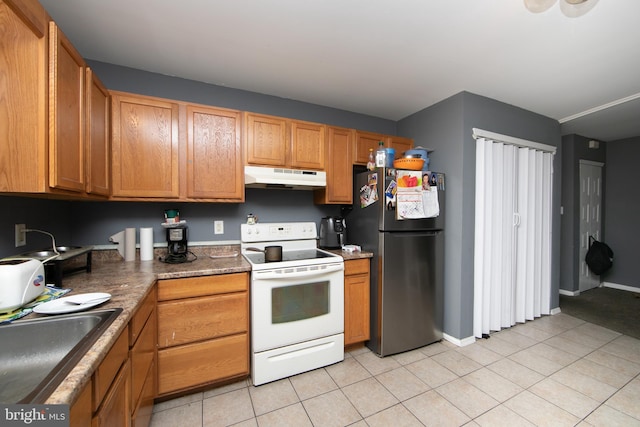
[[298, 302]]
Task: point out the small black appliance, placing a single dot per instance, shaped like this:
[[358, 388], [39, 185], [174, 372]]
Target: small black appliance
[[332, 232], [177, 241]]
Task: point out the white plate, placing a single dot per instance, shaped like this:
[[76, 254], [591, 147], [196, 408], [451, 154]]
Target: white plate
[[62, 305]]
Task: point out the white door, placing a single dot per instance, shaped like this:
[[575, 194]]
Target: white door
[[590, 218]]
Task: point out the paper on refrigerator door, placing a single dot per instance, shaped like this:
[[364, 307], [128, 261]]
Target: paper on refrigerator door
[[415, 198]]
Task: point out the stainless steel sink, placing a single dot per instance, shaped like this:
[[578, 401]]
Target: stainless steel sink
[[37, 354]]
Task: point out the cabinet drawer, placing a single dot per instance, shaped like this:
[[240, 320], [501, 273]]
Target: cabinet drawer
[[356, 266], [197, 319], [203, 285], [106, 372], [191, 365], [142, 357], [140, 318]]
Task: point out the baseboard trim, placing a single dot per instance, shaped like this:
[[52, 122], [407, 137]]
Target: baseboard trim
[[459, 342], [569, 293], [555, 311], [621, 287]]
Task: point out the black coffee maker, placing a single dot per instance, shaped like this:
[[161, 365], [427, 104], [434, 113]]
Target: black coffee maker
[[332, 232], [177, 241]]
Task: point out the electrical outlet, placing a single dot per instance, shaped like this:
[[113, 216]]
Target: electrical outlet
[[218, 227], [21, 235]]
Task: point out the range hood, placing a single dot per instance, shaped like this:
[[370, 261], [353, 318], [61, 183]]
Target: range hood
[[293, 179]]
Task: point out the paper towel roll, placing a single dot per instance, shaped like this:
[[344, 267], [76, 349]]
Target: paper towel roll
[[146, 244], [118, 239], [130, 244]]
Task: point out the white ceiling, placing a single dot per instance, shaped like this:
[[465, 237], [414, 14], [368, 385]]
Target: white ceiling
[[385, 58]]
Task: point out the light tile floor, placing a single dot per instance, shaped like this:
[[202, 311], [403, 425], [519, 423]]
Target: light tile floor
[[556, 370]]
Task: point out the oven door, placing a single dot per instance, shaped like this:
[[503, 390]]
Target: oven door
[[296, 304]]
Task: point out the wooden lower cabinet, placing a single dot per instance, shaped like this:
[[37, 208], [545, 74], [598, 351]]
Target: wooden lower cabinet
[[80, 412], [356, 301], [203, 331], [190, 365], [115, 409], [143, 344], [142, 413], [123, 387]]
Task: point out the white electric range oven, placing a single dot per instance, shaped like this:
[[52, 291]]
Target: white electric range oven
[[297, 304]]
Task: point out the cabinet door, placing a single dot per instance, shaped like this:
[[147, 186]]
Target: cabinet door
[[105, 375], [307, 145], [365, 141], [66, 113], [400, 144], [23, 119], [214, 154], [145, 147], [192, 365], [116, 408], [141, 416], [267, 140], [356, 301], [97, 141], [80, 412], [339, 168], [143, 356]]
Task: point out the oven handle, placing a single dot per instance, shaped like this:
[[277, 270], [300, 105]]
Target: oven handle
[[282, 273]]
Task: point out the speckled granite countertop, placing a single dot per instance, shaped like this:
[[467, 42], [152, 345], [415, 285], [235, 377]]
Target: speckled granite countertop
[[128, 283]]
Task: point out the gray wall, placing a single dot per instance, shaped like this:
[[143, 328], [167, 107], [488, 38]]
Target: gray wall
[[91, 223], [574, 149], [447, 128], [622, 203]]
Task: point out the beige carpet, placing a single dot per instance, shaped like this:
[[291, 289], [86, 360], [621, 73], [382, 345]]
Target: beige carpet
[[611, 308]]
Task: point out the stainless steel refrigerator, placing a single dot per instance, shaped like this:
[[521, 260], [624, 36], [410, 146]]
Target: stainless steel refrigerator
[[407, 267]]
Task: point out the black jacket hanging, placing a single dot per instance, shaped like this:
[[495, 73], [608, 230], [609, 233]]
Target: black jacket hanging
[[599, 257]]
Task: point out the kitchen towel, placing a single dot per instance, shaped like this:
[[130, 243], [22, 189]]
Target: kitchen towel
[[130, 244], [146, 243]]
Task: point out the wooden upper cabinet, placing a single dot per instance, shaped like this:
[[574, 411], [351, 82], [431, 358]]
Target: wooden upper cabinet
[[97, 142], [214, 154], [66, 113], [307, 145], [267, 141], [367, 140], [363, 142], [144, 147], [339, 161], [400, 144], [280, 142], [23, 83]]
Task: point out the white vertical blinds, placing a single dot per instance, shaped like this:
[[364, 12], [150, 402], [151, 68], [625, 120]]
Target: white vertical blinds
[[512, 265]]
